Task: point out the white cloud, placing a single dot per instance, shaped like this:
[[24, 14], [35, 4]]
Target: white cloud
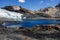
[[41, 2], [22, 1]]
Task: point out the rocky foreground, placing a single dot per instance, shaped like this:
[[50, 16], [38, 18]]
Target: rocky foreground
[[10, 34]]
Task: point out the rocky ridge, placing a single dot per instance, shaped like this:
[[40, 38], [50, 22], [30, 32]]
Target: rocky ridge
[[46, 12]]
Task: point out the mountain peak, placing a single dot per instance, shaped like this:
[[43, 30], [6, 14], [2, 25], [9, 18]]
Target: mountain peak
[[58, 6], [12, 7]]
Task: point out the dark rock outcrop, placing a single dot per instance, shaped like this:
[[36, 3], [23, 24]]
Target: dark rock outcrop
[[17, 9], [12, 8], [58, 6]]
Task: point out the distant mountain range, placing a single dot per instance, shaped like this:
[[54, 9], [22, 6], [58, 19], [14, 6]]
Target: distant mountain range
[[46, 12]]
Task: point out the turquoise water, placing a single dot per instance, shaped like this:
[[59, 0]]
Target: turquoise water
[[30, 23]]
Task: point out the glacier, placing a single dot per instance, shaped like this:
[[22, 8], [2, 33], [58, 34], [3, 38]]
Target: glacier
[[6, 15]]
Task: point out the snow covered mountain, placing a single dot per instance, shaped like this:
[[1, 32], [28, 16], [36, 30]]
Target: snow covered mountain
[[10, 16]]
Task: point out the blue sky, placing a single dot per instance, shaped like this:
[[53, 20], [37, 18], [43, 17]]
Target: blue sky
[[30, 4]]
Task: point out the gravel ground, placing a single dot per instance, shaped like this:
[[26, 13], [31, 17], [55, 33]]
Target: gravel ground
[[29, 36]]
